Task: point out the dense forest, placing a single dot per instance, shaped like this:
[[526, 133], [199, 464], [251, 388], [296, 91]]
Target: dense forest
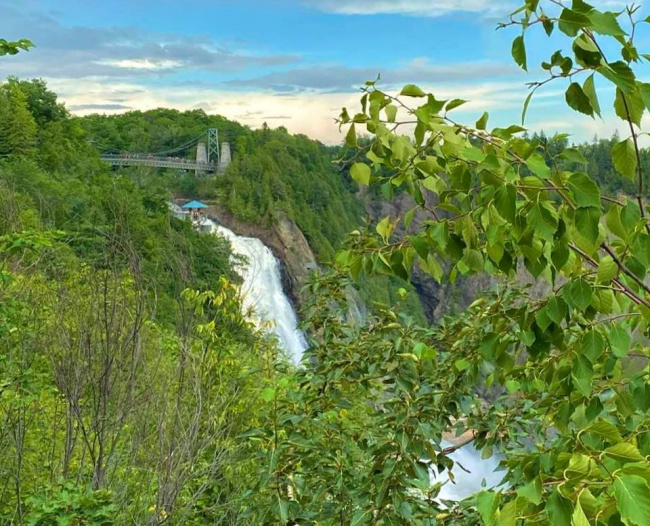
[[134, 391]]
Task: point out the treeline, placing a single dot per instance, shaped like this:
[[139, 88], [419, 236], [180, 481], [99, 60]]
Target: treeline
[[126, 369]]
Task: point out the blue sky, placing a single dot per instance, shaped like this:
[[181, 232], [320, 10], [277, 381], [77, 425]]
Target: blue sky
[[293, 63]]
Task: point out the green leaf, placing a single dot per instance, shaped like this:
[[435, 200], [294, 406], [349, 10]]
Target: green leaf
[[519, 52], [268, 394], [579, 518], [505, 200], [607, 269], [633, 497], [462, 364], [511, 512], [408, 217], [578, 100], [573, 155], [532, 491], [624, 158], [624, 452], [474, 260], [632, 103], [360, 172], [620, 74], [556, 309], [587, 220], [592, 345], [559, 509], [351, 137], [605, 429], [585, 190], [391, 112], [538, 166], [548, 26], [482, 122], [605, 24], [589, 90], [487, 503], [454, 104], [281, 509], [578, 293], [582, 373], [620, 341], [526, 104], [644, 92], [613, 221], [385, 228], [572, 21], [411, 90], [542, 221]]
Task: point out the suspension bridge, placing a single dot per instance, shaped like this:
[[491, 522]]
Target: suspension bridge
[[211, 157]]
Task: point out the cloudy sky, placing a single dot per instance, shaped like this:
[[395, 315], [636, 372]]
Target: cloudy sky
[[293, 63]]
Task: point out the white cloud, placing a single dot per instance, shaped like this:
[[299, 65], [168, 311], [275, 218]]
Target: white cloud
[[430, 8], [81, 51], [335, 77], [433, 8], [141, 63]]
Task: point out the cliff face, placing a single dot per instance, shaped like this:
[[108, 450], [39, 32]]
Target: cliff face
[[285, 240], [437, 299]]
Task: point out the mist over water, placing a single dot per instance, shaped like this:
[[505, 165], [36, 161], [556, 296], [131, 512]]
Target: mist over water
[[263, 293]]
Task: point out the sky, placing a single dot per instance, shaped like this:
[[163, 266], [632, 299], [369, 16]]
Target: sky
[[291, 63]]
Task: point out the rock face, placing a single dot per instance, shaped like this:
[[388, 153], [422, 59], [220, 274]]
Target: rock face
[[286, 241], [437, 300]]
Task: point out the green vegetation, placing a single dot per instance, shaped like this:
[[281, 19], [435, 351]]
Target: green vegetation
[[275, 171], [122, 391], [13, 48], [130, 393]]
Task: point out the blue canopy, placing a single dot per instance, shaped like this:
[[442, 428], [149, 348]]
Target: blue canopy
[[195, 204]]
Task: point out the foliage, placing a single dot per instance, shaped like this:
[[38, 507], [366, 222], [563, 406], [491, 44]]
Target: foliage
[[562, 375], [291, 174], [126, 368], [273, 174], [65, 505], [13, 48]]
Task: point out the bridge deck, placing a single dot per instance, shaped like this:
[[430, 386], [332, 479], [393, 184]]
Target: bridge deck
[[157, 162]]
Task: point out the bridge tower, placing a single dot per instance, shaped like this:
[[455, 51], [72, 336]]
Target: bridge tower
[[213, 146], [201, 158], [224, 159]]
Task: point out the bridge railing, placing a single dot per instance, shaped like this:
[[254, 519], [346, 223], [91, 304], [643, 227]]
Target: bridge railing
[[156, 162]]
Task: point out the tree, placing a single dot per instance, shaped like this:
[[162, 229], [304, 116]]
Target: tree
[[17, 126]]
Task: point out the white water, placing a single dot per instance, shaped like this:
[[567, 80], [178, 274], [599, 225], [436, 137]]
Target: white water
[[481, 474], [262, 292]]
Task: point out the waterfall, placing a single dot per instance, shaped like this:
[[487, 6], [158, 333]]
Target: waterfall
[[482, 474], [263, 294]]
